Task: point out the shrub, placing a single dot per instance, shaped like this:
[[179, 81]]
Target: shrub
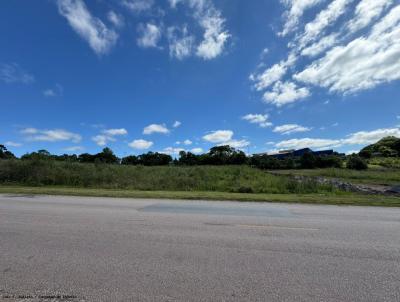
[[243, 189], [355, 162]]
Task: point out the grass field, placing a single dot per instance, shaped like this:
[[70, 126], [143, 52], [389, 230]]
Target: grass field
[[241, 183], [327, 198], [387, 162], [376, 175], [239, 179]]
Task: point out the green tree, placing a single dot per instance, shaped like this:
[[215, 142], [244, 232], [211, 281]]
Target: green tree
[[130, 160], [107, 156], [5, 154], [308, 161], [355, 162]]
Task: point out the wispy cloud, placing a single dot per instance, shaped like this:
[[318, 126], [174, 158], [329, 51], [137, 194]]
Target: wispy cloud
[[55, 135], [12, 144], [12, 73], [54, 92], [295, 11], [181, 43], [150, 35], [108, 135], [138, 6], [290, 128], [215, 35], [363, 63], [100, 38], [354, 139], [176, 124], [74, 149], [336, 53], [116, 19]]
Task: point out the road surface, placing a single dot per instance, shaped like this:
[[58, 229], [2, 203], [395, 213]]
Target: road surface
[[101, 249]]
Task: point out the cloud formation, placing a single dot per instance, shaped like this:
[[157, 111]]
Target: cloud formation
[[100, 38], [290, 128], [155, 128], [140, 144], [54, 92], [212, 23], [225, 137], [259, 119], [348, 46], [54, 135], [150, 35], [12, 73], [218, 136], [108, 135], [358, 138]]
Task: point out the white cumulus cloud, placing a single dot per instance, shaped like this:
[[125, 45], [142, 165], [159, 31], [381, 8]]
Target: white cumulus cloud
[[285, 93], [218, 136], [259, 119], [363, 63], [155, 128], [108, 135], [140, 144]]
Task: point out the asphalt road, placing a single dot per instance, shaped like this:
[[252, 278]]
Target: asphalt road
[[98, 249]]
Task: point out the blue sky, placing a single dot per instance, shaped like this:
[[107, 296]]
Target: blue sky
[[167, 75]]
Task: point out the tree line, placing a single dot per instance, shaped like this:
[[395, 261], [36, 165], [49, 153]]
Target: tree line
[[219, 155]]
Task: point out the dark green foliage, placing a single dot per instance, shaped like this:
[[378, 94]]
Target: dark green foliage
[[106, 156], [188, 159], [355, 162], [5, 154], [130, 160], [219, 155], [154, 159], [308, 161], [226, 155], [267, 162], [386, 147], [331, 161], [39, 155]]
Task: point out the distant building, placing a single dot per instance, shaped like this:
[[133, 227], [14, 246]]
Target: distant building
[[297, 153]]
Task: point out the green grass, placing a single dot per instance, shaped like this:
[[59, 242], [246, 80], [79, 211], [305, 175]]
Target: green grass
[[231, 179], [374, 175], [387, 162], [327, 198]]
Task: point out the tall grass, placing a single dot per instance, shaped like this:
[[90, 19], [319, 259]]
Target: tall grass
[[372, 176], [242, 179], [388, 162]]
